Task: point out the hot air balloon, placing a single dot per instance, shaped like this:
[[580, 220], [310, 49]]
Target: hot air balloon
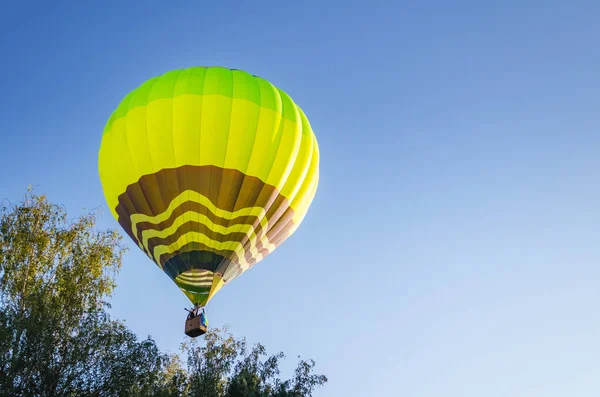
[[208, 170]]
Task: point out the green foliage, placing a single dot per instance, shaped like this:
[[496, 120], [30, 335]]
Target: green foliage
[[225, 367], [56, 338]]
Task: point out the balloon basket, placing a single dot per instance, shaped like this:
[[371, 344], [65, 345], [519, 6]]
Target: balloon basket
[[194, 328]]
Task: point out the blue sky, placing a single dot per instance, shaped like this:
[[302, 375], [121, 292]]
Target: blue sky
[[453, 245]]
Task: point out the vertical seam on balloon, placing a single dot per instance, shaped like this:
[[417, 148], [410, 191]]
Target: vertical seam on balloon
[[253, 181], [116, 172], [186, 203], [154, 173], [147, 250], [301, 180], [191, 242], [204, 242], [230, 257], [185, 170], [111, 136], [310, 135], [313, 183], [135, 207], [225, 153], [266, 208], [224, 157], [237, 228], [280, 131], [276, 238], [307, 180], [273, 222], [172, 99], [205, 237]]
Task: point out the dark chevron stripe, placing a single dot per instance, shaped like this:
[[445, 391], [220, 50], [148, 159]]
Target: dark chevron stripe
[[195, 207], [284, 222], [196, 227], [227, 189]]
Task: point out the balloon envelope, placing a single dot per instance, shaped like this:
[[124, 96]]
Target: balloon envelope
[[208, 170]]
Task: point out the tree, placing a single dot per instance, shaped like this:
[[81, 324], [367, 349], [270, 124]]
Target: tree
[[57, 339], [225, 367]]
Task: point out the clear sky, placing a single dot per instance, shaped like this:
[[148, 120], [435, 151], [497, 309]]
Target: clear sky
[[453, 246]]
